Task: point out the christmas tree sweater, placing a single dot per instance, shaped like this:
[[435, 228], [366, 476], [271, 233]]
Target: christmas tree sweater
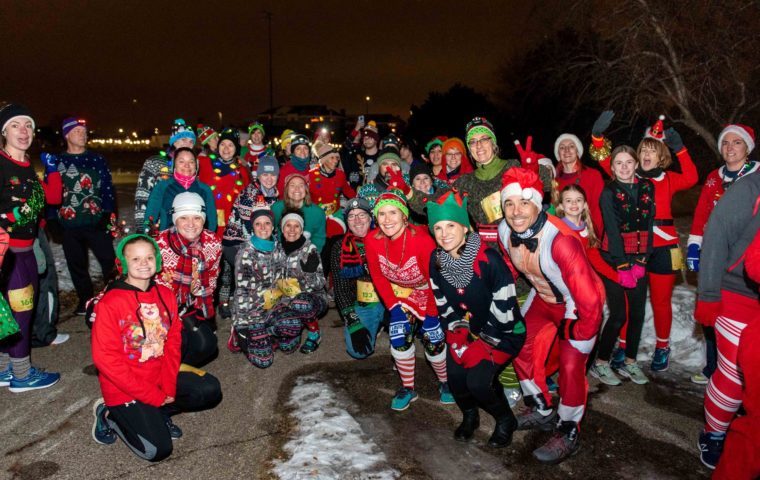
[[88, 192], [226, 181]]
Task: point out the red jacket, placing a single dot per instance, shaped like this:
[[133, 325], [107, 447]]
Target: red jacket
[[136, 344]]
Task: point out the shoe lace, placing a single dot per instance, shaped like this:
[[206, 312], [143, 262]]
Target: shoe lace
[[402, 392], [634, 369]]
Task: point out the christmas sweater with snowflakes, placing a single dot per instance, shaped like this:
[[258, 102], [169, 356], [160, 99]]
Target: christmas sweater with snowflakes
[[88, 191]]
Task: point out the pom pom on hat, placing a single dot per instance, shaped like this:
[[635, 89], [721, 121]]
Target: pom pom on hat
[[188, 203], [746, 133], [450, 206], [371, 130], [522, 183], [233, 136], [656, 131], [180, 130], [568, 136], [71, 123]]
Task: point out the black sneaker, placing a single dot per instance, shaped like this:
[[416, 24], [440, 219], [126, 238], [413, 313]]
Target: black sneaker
[[81, 310], [174, 430], [564, 443], [531, 419], [102, 433]]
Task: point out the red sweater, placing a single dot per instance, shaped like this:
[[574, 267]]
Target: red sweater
[[404, 261], [326, 191], [225, 188], [136, 344]]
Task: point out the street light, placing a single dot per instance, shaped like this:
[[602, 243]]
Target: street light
[[367, 99]]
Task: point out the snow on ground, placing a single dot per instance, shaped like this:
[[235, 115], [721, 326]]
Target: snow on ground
[[328, 442]]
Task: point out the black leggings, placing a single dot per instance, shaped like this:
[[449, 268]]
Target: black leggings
[[199, 343], [143, 428], [478, 387], [624, 304]]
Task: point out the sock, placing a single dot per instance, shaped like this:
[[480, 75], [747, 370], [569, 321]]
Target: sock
[[439, 366], [21, 366], [508, 377], [405, 363], [5, 361]]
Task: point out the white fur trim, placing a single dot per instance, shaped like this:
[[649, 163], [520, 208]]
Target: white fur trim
[[739, 131], [514, 190]]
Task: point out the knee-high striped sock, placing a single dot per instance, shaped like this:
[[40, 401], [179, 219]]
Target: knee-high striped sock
[[439, 365], [405, 363], [724, 391]]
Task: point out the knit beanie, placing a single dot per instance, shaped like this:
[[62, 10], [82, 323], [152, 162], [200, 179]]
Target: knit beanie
[[568, 136], [256, 126], [71, 123], [746, 133], [436, 142], [233, 135], [268, 164], [420, 168], [292, 215], [371, 131], [450, 206], [522, 183], [389, 154], [286, 137], [292, 176], [357, 203], [181, 130], [325, 150], [391, 141], [188, 203], [392, 196], [12, 110], [479, 126], [205, 133]]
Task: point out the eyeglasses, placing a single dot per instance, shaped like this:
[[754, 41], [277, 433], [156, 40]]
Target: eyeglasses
[[478, 141], [357, 216]]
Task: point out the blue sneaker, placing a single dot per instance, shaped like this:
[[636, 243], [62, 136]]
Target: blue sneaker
[[711, 446], [552, 385], [36, 380], [404, 396], [660, 360], [446, 397], [102, 433], [617, 360], [6, 376]]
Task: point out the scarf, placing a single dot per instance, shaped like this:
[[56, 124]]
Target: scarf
[[184, 180], [459, 271], [490, 170], [291, 247], [190, 255], [352, 257], [325, 174], [301, 164], [261, 244], [526, 237], [653, 173]]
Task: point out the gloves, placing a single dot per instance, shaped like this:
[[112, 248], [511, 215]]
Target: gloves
[[360, 336], [692, 257], [50, 162], [400, 328], [312, 262], [626, 278], [479, 351], [432, 328], [673, 140], [602, 123], [396, 180], [104, 221], [528, 158], [638, 271], [707, 312]]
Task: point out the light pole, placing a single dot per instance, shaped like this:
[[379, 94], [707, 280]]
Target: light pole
[[367, 99]]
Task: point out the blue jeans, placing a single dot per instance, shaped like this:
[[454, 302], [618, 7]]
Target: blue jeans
[[371, 317]]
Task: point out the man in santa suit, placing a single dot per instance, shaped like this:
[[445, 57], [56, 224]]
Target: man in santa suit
[[565, 292]]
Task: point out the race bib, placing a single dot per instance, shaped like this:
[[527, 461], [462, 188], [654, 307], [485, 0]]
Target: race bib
[[401, 292], [289, 287], [270, 297], [491, 206], [365, 292], [21, 299], [676, 258], [221, 219]]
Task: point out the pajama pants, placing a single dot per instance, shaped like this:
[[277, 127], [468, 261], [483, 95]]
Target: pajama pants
[[573, 354], [724, 390], [19, 283], [404, 357]]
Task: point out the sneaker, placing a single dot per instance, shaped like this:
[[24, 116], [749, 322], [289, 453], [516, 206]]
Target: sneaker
[[174, 430], [532, 419], [710, 447], [404, 396], [604, 374], [81, 310], [634, 373], [699, 379], [660, 360], [224, 311], [513, 396], [564, 443], [618, 358], [552, 386], [446, 397], [6, 376], [102, 433], [312, 343], [36, 379], [60, 338]]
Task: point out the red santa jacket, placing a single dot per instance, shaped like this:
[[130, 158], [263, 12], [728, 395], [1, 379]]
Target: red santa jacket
[[225, 188], [136, 344]]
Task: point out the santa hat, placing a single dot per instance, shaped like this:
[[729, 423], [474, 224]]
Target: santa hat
[[522, 183], [568, 136], [450, 206], [746, 133], [371, 130], [188, 203], [205, 133], [392, 196], [656, 131], [479, 126], [181, 130]]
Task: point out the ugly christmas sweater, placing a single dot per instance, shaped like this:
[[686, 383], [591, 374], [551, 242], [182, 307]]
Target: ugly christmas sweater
[[629, 212], [88, 192], [348, 262], [22, 199], [154, 170], [227, 180], [239, 228], [257, 272]]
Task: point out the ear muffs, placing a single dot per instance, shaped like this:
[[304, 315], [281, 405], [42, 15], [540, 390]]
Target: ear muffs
[[121, 262]]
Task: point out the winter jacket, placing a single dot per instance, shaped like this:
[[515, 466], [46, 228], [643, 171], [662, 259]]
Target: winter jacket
[[239, 228], [162, 197], [304, 267], [256, 275]]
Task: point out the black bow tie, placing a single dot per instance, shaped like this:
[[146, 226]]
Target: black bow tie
[[530, 243]]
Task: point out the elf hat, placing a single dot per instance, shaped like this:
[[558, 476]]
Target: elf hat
[[656, 131], [746, 133], [181, 130], [268, 164], [450, 206], [205, 133], [71, 123], [188, 203], [435, 142], [371, 131], [233, 136], [392, 196], [521, 183], [256, 126], [121, 262], [568, 136], [11, 111], [479, 126]]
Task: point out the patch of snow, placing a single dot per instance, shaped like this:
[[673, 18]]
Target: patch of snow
[[329, 443]]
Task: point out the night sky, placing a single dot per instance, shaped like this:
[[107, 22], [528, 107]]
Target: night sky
[[194, 59]]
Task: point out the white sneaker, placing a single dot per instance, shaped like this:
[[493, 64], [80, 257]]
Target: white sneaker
[[60, 338]]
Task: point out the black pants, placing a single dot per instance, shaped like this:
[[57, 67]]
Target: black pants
[[76, 241], [44, 328], [624, 304], [199, 343], [143, 428], [478, 387]]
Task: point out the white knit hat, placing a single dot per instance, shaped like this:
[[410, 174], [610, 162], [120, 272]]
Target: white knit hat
[[568, 136], [188, 203]]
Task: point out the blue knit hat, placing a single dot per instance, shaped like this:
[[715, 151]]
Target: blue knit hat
[[181, 130]]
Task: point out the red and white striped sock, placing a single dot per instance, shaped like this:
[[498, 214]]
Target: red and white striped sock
[[405, 363], [439, 365]]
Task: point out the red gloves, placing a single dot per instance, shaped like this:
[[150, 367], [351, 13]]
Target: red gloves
[[707, 312], [396, 180], [528, 158], [479, 351]]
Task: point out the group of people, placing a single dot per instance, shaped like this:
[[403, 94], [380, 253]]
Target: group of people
[[499, 267]]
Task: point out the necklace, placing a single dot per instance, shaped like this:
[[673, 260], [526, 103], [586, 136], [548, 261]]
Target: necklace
[[403, 248]]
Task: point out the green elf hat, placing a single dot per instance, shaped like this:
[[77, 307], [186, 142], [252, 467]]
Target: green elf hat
[[451, 206], [392, 196], [256, 126], [479, 126]]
